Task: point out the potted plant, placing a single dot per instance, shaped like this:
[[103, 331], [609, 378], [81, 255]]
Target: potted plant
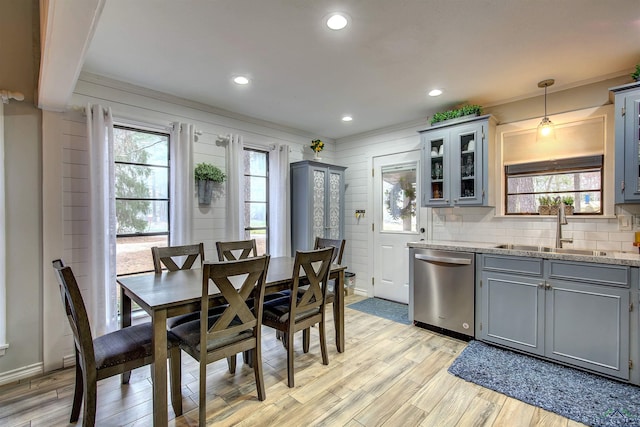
[[206, 175], [568, 205], [554, 205], [636, 75], [544, 205], [317, 146], [456, 113]]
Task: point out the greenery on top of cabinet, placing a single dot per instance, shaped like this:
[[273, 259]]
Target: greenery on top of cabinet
[[465, 110]]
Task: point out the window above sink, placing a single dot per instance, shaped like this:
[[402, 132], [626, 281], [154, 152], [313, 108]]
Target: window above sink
[[580, 133], [538, 187]]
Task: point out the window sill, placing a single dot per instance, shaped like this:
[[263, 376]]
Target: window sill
[[529, 217]]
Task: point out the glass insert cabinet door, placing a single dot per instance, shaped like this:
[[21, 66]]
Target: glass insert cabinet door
[[467, 166], [334, 205], [327, 203], [319, 186], [435, 156], [634, 123]]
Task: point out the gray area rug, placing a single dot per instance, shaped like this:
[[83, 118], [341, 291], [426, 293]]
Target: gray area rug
[[580, 396], [383, 308]]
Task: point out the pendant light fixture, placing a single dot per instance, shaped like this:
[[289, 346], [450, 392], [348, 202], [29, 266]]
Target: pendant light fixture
[[546, 130]]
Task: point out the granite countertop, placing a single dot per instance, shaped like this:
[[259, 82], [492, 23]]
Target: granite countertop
[[611, 257]]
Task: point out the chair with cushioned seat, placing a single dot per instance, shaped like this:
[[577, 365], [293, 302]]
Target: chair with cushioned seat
[[241, 249], [336, 259], [170, 256], [110, 354], [237, 329], [290, 315]]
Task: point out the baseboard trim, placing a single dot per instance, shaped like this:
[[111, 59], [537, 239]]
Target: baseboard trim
[[21, 373], [69, 360]]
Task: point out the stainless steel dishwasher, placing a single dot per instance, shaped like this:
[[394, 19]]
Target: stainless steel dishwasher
[[443, 290]]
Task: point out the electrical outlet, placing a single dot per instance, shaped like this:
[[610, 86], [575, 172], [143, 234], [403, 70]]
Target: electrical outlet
[[624, 223]]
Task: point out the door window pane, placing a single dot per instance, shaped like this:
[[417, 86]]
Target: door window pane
[[399, 198]]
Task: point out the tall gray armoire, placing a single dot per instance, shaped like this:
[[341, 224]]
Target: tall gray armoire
[[317, 203]]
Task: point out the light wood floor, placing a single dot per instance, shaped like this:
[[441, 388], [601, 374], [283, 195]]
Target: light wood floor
[[390, 375]]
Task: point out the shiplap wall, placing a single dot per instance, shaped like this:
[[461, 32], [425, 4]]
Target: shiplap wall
[[358, 154], [67, 133]]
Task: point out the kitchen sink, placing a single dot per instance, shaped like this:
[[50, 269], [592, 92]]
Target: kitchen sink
[[578, 251], [534, 248], [520, 247]]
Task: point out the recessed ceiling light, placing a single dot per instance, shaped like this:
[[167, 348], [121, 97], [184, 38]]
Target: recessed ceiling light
[[241, 80], [435, 92], [337, 21], [347, 118]]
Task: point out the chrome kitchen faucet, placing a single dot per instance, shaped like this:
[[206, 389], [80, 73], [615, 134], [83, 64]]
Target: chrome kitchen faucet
[[561, 220]]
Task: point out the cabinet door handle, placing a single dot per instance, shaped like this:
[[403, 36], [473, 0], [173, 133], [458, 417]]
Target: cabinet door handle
[[541, 285], [547, 286]]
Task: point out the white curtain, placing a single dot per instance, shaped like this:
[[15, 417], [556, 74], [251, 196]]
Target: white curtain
[[182, 184], [235, 188], [279, 211], [102, 299]]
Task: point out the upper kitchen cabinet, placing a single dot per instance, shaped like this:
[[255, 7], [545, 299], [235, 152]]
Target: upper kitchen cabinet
[[627, 130], [455, 160], [317, 203]]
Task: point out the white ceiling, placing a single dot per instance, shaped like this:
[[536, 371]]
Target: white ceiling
[[379, 69]]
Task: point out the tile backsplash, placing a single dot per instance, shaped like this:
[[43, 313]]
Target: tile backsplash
[[481, 225]]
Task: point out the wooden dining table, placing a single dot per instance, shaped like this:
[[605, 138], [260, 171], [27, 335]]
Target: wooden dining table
[[179, 292]]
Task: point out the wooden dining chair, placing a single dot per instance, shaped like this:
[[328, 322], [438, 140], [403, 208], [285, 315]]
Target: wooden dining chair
[[239, 249], [169, 257], [108, 355], [336, 259], [183, 257], [290, 315], [237, 329]]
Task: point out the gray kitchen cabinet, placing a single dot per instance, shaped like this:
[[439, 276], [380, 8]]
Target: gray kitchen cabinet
[[317, 203], [627, 146], [511, 303], [455, 158], [587, 316], [571, 312]]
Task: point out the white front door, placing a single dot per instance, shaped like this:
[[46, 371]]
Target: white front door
[[396, 201]]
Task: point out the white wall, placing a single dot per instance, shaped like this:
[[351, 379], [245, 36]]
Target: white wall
[[23, 190]]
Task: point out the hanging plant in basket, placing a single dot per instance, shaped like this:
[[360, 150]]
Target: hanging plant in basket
[[206, 175]]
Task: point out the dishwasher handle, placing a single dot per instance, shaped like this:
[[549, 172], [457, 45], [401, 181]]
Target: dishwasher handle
[[444, 260]]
